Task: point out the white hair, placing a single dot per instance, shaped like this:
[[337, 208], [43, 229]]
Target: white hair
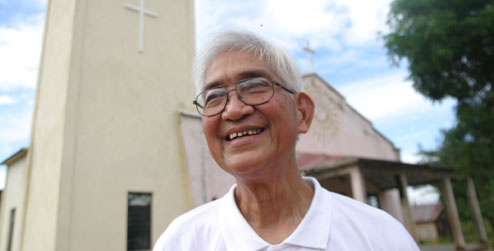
[[276, 58]]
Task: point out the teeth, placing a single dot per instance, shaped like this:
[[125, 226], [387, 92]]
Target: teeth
[[244, 133]]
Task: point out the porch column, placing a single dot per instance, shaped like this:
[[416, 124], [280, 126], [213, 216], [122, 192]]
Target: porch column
[[405, 205], [358, 185], [474, 205], [452, 212]]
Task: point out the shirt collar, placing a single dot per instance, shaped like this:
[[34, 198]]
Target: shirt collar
[[312, 232], [237, 232]]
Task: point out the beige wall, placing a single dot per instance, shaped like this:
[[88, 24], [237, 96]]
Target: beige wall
[[107, 122], [426, 231], [208, 181], [13, 198], [44, 165]]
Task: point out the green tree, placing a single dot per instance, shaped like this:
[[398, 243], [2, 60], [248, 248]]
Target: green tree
[[469, 147], [449, 48]]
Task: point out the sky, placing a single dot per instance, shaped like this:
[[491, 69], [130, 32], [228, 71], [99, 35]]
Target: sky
[[349, 55]]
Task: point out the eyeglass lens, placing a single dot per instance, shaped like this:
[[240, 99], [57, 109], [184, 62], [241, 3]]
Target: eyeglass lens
[[251, 92]]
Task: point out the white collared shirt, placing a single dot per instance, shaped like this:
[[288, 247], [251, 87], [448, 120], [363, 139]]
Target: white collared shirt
[[333, 222]]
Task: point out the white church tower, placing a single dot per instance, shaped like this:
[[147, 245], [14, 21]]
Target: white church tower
[[106, 167]]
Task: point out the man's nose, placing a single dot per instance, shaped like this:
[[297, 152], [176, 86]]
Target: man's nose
[[235, 108]]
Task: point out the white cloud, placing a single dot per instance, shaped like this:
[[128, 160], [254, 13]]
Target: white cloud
[[304, 18], [15, 127], [409, 155], [3, 174], [388, 97], [410, 119], [326, 24], [423, 195], [20, 47], [366, 18], [6, 99]]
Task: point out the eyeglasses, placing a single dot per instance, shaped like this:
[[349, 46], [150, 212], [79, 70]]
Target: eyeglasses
[[252, 91]]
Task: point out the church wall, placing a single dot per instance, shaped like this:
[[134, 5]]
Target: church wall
[[208, 181], [44, 161], [125, 134], [337, 129], [13, 198], [106, 123]]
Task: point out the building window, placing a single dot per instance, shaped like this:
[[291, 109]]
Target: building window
[[11, 229], [139, 221]]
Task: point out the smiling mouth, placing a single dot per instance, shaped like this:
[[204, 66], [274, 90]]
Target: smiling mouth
[[236, 135]]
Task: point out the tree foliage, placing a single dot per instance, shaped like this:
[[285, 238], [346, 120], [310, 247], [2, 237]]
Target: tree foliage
[[469, 147], [449, 47]]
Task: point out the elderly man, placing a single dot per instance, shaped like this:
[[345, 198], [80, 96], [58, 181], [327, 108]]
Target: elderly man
[[252, 110]]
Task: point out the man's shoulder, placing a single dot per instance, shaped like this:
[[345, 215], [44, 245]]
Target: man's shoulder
[[356, 209], [189, 229], [197, 218], [371, 226], [344, 209]]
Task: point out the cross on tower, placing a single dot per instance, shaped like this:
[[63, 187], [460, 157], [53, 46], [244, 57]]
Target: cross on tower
[[309, 54], [140, 9]]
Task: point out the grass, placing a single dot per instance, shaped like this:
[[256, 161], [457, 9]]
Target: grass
[[469, 233]]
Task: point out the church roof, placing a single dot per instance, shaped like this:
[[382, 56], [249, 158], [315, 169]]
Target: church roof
[[315, 75], [311, 161], [14, 157], [381, 173], [426, 213]]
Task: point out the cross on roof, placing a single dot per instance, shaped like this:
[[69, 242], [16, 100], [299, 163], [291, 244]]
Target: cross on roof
[[309, 54], [142, 11]]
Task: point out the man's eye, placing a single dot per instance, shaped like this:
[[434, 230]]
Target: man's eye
[[213, 98], [255, 86]]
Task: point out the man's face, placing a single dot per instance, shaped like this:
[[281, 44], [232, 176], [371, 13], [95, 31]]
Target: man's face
[[274, 125]]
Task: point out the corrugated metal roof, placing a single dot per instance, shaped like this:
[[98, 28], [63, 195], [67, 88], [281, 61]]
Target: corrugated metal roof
[[426, 213]]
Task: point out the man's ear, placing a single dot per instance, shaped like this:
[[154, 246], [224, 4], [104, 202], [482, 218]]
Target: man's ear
[[305, 111]]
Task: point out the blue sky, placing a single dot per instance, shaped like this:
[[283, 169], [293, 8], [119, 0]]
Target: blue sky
[[344, 33]]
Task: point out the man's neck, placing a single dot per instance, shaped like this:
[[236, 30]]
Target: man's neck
[[274, 208]]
